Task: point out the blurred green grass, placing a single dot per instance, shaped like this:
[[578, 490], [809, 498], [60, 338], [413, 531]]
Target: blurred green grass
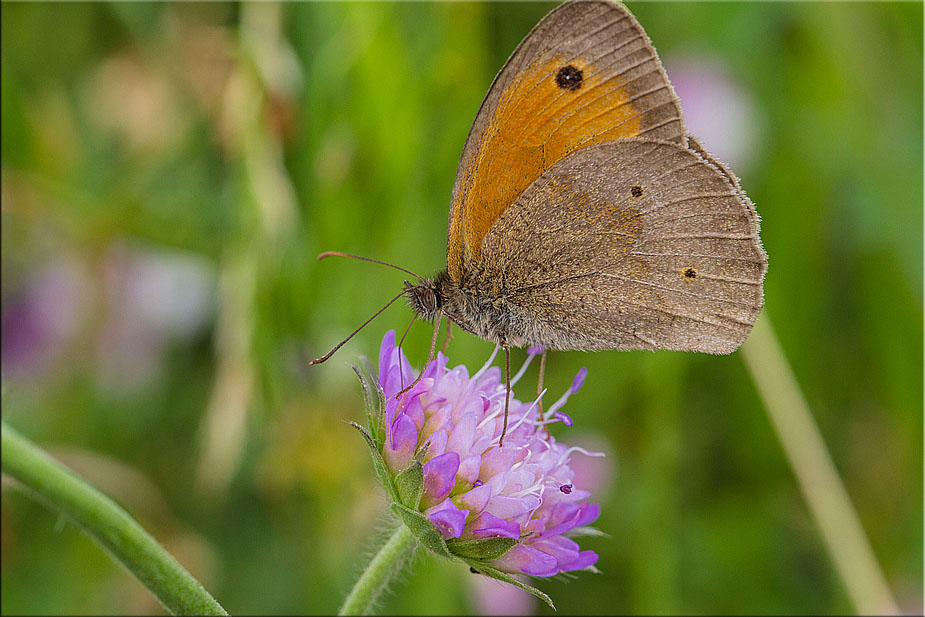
[[170, 171]]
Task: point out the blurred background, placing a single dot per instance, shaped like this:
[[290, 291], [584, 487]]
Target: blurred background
[[170, 172]]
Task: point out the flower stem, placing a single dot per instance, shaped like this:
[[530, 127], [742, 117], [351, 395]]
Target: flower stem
[[107, 524], [387, 563], [816, 473]]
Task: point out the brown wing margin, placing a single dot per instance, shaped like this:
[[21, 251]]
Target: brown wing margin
[[586, 74]]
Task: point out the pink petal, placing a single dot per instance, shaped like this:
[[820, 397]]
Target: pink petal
[[526, 560], [567, 553], [589, 513], [476, 499], [507, 507], [437, 444], [440, 475], [385, 354], [536, 525], [438, 420], [489, 526], [584, 560], [462, 436], [469, 469], [497, 460], [415, 411], [449, 519], [401, 443]]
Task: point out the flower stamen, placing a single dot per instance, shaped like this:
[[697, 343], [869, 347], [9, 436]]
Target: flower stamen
[[487, 364], [523, 369]]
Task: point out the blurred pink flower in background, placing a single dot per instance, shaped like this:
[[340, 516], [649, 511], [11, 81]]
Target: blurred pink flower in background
[[491, 597], [41, 320], [717, 109], [152, 297], [144, 299], [595, 473]]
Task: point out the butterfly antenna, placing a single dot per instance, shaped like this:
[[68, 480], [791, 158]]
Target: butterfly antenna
[[539, 383], [430, 356], [401, 372], [365, 323], [375, 261]]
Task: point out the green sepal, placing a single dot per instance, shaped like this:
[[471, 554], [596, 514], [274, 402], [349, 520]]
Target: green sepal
[[506, 578], [382, 472], [410, 485], [421, 453], [484, 549], [422, 529], [374, 403], [578, 532]]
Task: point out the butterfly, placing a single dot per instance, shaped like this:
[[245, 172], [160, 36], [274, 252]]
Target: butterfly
[[583, 215]]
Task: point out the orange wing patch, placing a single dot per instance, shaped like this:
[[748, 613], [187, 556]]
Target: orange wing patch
[[553, 108]]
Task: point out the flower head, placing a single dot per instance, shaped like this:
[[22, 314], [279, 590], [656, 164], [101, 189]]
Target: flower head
[[509, 508]]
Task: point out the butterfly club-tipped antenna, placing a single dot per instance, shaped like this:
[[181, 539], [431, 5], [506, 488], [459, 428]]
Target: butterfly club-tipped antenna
[[326, 254]]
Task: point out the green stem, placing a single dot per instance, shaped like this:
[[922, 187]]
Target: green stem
[[385, 565], [107, 524], [816, 473]]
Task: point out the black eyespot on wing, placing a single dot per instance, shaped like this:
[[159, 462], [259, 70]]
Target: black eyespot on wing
[[690, 273], [569, 78], [636, 192]]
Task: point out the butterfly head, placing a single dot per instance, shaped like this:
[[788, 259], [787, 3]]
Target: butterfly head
[[474, 312], [426, 297]]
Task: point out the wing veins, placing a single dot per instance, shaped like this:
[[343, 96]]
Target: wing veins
[[679, 200], [672, 289], [693, 255], [611, 109], [629, 280], [711, 236], [717, 323]]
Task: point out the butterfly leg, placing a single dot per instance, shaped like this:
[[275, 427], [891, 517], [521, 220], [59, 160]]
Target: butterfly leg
[[449, 335], [430, 356], [539, 383], [401, 373], [507, 388]]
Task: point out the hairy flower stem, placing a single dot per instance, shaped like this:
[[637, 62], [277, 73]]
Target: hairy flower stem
[[107, 524], [387, 563]]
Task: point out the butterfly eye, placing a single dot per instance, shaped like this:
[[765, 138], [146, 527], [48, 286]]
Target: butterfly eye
[[429, 300], [569, 78]]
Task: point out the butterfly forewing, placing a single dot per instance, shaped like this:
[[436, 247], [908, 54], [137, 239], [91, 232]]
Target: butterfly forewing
[[587, 74]]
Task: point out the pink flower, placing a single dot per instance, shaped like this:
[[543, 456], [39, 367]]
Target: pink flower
[[717, 108], [507, 508]]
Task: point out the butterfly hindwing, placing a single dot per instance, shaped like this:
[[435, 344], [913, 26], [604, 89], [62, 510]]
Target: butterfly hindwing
[[634, 244]]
